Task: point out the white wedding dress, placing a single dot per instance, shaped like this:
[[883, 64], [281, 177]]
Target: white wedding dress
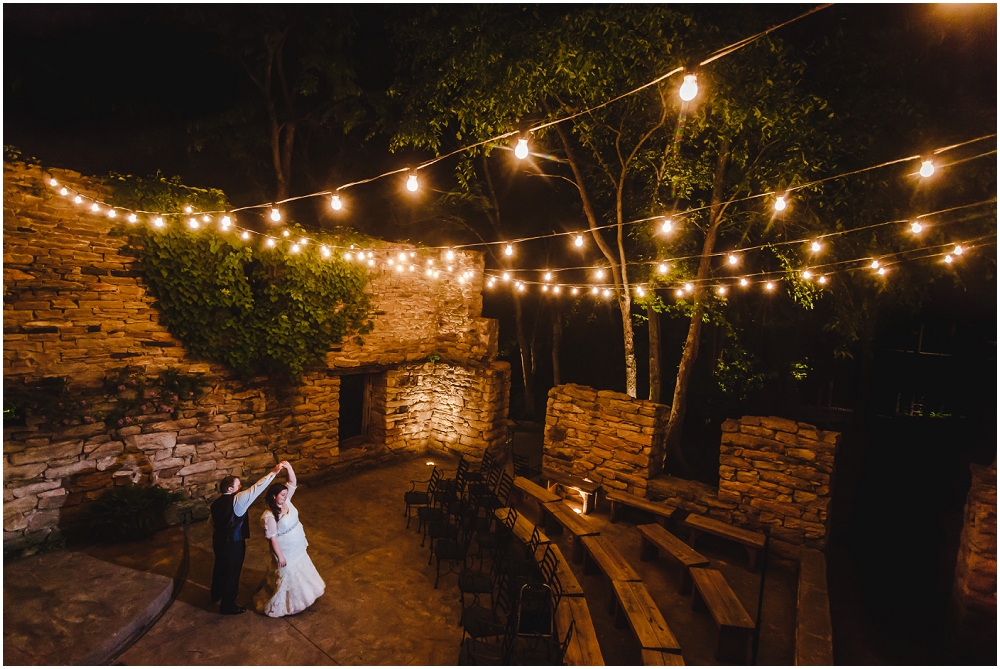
[[293, 588]]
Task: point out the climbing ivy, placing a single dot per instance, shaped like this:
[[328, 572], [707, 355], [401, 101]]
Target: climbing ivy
[[258, 310]]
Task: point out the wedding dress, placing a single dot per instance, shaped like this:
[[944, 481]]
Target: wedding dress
[[293, 588]]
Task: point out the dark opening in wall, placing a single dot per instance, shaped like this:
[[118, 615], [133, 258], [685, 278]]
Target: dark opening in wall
[[355, 407]]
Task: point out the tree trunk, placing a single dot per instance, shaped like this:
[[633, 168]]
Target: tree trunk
[[556, 346], [631, 370], [654, 354], [678, 407], [527, 366]]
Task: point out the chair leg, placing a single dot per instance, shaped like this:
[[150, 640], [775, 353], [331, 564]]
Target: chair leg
[[437, 573]]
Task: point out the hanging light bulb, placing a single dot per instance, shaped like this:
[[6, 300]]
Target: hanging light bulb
[[112, 213], [411, 182], [285, 233], [807, 275], [226, 222], [402, 257], [303, 242], [822, 280], [63, 191], [575, 291], [78, 199], [436, 273], [874, 264], [270, 242], [158, 222], [679, 293], [721, 290], [948, 259], [275, 214], [245, 236], [53, 183], [347, 256], [412, 254], [188, 209], [548, 276], [600, 274], [371, 263], [335, 203], [607, 292], [132, 218], [881, 271], [450, 255], [594, 290], [206, 218], [521, 287], [640, 292], [916, 228], [689, 89], [780, 204], [94, 207], [662, 268], [926, 168], [744, 283], [193, 223], [958, 250], [815, 247], [688, 287], [522, 149], [732, 259], [295, 248], [545, 288], [667, 226], [506, 276], [509, 250], [578, 241], [769, 286], [557, 289], [325, 251]]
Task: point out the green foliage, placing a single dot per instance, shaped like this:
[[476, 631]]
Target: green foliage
[[800, 369], [133, 394], [434, 357], [130, 512], [258, 311]]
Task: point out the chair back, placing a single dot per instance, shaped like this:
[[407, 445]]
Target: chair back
[[535, 615], [486, 465], [503, 488], [548, 565], [534, 541], [510, 520], [564, 644], [432, 485]]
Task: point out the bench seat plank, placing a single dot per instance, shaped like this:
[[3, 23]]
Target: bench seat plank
[[558, 516], [659, 658], [529, 487], [720, 529], [722, 603], [603, 553], [617, 497], [583, 649], [644, 617], [656, 538], [523, 527]]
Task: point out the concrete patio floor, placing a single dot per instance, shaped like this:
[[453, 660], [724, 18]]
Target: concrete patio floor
[[380, 606]]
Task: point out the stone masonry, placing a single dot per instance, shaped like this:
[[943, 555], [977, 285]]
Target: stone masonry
[[607, 437], [75, 307], [976, 568]]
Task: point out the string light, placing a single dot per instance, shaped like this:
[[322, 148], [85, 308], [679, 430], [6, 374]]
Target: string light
[[275, 214], [325, 251], [744, 283], [599, 274], [557, 289], [689, 89], [226, 222], [132, 218], [303, 242], [688, 288], [916, 228], [371, 263], [881, 271], [780, 204], [667, 226], [545, 288], [449, 255], [769, 286], [78, 199], [679, 293], [807, 275], [721, 290], [575, 290], [816, 247], [926, 168], [335, 203], [112, 213], [594, 290], [875, 264], [640, 292], [206, 218], [193, 222], [94, 207], [158, 222], [522, 149], [607, 292], [733, 259], [822, 280], [506, 276], [509, 250], [548, 276], [245, 235], [53, 183], [520, 287], [578, 241], [295, 248], [285, 233], [64, 192], [270, 242], [958, 250], [411, 183], [188, 209], [663, 268]]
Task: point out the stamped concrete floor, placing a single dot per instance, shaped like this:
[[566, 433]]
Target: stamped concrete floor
[[380, 606]]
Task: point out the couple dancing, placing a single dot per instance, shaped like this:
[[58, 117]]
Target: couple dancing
[[292, 583]]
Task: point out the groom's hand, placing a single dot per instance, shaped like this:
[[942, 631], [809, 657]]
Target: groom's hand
[[277, 468]]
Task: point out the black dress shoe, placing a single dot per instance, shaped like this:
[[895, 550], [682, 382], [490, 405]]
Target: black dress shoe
[[233, 611]]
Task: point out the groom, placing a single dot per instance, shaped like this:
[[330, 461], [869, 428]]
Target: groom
[[229, 537]]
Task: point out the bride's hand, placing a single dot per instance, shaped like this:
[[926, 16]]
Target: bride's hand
[[282, 562]]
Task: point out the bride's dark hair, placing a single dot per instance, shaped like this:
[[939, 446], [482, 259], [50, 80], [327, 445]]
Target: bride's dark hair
[[271, 499]]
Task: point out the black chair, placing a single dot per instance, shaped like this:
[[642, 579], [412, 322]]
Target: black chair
[[547, 565], [420, 498], [439, 529], [484, 488], [522, 467], [550, 652], [456, 485], [451, 551], [480, 621], [501, 496], [485, 467], [480, 652]]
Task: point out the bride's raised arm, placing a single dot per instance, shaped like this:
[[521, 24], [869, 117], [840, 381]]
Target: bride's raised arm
[[291, 479]]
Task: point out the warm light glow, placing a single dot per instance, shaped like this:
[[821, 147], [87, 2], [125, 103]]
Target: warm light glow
[[430, 464], [522, 149], [688, 287], [509, 250], [412, 254], [295, 248], [721, 290], [112, 213], [732, 259], [545, 289], [926, 168], [132, 218], [948, 259], [188, 209], [521, 287], [768, 286], [548, 276], [579, 240], [285, 233], [270, 241], [369, 253], [53, 183], [193, 222], [436, 273], [245, 236], [78, 199], [206, 218], [874, 264], [662, 269], [640, 292], [489, 284], [64, 191], [679, 293], [449, 255], [506, 276], [744, 283], [881, 271], [411, 183], [275, 215], [449, 268], [600, 274], [780, 204], [668, 225], [335, 203], [575, 291], [807, 275], [816, 246], [325, 251], [347, 256], [94, 207], [689, 89], [958, 250], [158, 222], [822, 280], [557, 290], [402, 257], [371, 263], [607, 292], [595, 290], [916, 228]]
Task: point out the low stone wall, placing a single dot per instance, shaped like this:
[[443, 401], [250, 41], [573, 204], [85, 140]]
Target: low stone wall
[[75, 307], [607, 437], [976, 569], [778, 473]]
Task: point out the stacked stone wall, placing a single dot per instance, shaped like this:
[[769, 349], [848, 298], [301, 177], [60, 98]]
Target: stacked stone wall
[[976, 568], [607, 437], [75, 307]]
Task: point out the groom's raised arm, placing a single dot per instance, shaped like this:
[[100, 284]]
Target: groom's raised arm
[[243, 499]]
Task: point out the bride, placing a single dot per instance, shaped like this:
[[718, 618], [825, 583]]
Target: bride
[[292, 583]]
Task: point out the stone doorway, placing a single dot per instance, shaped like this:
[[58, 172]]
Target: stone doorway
[[355, 410]]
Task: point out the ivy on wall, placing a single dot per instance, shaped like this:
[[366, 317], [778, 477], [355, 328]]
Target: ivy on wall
[[258, 310]]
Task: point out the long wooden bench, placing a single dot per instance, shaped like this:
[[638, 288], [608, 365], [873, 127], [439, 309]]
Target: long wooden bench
[[586, 489], [523, 527], [559, 516], [735, 624], [619, 499], [813, 630], [602, 554], [528, 488], [659, 658], [570, 585], [636, 606], [655, 539], [583, 649], [752, 541]]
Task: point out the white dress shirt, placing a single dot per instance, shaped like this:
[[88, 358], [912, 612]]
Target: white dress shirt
[[244, 498]]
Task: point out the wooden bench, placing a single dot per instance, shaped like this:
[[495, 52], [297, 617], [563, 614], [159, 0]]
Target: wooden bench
[[735, 625], [752, 541], [587, 489], [655, 539], [570, 585], [558, 516], [619, 498], [522, 527], [529, 488], [813, 630], [659, 658], [602, 554], [636, 606], [583, 649]]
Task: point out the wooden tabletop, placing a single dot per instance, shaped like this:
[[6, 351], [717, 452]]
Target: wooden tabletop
[[571, 520], [610, 560], [538, 492], [719, 528], [583, 649], [645, 618]]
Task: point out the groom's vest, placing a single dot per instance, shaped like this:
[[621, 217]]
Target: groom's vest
[[227, 526]]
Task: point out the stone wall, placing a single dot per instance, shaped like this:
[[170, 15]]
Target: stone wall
[[75, 307], [607, 437], [778, 473], [976, 569]]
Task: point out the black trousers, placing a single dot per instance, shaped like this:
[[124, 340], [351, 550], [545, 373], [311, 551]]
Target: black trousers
[[229, 557]]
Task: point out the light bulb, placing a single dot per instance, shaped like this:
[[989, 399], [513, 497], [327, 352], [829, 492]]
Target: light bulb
[[744, 283], [402, 257], [94, 207], [226, 222], [662, 269], [53, 183], [411, 183], [780, 204], [607, 293], [193, 222], [733, 259], [63, 191], [874, 264], [881, 271], [640, 292], [594, 290], [275, 214], [689, 89], [369, 253], [509, 250], [188, 209], [132, 218], [78, 199], [807, 275], [371, 263], [575, 290], [721, 290], [816, 246], [295, 248], [557, 290], [688, 287], [206, 218], [245, 236], [158, 222], [449, 268], [270, 241], [489, 284], [948, 259], [926, 168], [545, 289], [578, 241], [325, 251], [112, 213], [668, 225], [285, 233], [336, 203], [411, 268], [548, 276], [521, 288], [958, 250], [303, 242], [768, 286], [679, 293], [822, 280], [412, 254], [600, 274], [506, 276], [916, 228], [522, 149], [450, 255], [436, 273]]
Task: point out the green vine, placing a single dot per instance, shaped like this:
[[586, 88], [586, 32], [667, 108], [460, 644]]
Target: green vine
[[258, 310]]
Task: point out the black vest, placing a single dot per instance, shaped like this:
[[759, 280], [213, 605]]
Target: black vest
[[227, 526]]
